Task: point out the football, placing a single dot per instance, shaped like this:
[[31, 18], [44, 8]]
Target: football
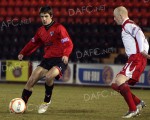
[[17, 105]]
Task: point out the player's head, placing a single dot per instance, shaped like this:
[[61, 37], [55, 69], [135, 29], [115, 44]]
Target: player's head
[[46, 14], [120, 14]]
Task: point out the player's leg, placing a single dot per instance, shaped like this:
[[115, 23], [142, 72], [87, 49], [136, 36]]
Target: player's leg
[[132, 82], [125, 91], [35, 76], [133, 69], [140, 64], [137, 101], [49, 84]]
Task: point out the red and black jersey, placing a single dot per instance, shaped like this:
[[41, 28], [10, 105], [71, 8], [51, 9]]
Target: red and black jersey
[[56, 41]]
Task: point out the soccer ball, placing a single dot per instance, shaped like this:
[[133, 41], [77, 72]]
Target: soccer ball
[[17, 105]]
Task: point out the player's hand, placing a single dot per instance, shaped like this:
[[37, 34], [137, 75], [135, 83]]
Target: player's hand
[[20, 56], [65, 59], [148, 56], [145, 55]]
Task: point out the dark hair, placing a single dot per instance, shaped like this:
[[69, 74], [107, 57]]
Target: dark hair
[[46, 9]]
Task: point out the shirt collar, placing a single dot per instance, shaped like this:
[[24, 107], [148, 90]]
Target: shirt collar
[[125, 20], [49, 25]]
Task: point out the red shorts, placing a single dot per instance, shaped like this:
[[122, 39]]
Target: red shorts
[[134, 68]]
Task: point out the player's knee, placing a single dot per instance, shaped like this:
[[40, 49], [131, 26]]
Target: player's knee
[[48, 77], [120, 81], [116, 82], [50, 82]]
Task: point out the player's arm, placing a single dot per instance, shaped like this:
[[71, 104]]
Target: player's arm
[[137, 33], [30, 47], [66, 42], [143, 44]]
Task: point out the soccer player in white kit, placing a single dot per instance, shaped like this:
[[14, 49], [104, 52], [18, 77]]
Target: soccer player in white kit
[[136, 47]]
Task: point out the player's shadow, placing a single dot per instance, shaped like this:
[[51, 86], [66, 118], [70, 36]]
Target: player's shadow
[[73, 111]]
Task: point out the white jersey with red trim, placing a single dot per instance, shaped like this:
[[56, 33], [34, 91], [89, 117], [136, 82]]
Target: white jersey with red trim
[[133, 38]]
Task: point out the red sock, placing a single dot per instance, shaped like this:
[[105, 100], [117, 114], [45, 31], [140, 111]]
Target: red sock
[[136, 99], [115, 87], [126, 93]]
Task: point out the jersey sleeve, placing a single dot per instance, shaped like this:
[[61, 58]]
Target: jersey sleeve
[[32, 45], [136, 32], [65, 40]]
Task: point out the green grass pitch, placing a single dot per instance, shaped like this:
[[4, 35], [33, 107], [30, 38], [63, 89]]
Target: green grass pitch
[[72, 103]]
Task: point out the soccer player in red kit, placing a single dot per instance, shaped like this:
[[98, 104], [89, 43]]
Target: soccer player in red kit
[[57, 48], [136, 47]]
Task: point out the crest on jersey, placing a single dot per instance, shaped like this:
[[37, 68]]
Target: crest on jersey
[[33, 40], [52, 33]]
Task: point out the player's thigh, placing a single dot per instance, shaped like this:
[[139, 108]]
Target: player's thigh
[[120, 79], [38, 73], [52, 73]]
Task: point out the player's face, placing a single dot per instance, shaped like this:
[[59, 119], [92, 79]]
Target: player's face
[[45, 18], [117, 18]]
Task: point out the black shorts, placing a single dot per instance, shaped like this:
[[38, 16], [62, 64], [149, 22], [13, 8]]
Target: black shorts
[[48, 63]]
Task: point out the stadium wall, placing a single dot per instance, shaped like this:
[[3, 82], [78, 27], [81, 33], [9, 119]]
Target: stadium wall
[[76, 74], [103, 74]]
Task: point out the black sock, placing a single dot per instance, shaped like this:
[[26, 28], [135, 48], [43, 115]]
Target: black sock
[[25, 95], [48, 92]]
